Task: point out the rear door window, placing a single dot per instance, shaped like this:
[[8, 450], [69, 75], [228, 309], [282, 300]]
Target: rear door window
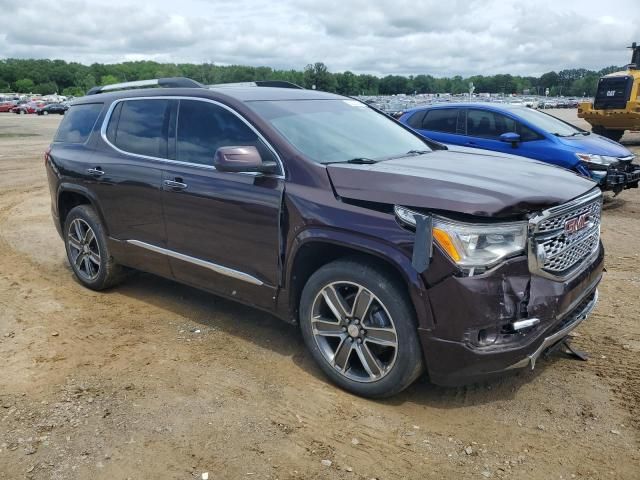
[[142, 127], [78, 123], [441, 120]]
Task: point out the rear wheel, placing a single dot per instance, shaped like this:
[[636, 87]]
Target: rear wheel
[[360, 328], [45, 113], [87, 249]]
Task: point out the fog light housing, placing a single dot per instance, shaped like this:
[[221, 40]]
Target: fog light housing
[[507, 335], [487, 336]]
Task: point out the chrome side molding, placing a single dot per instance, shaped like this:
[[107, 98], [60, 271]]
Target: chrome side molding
[[229, 272]]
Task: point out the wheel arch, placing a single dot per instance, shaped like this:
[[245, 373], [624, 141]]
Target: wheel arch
[[315, 248], [71, 195]]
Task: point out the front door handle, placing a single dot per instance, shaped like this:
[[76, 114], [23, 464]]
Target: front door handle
[[175, 185], [95, 172]]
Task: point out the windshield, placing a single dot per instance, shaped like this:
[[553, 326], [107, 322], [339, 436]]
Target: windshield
[[338, 130], [548, 123]]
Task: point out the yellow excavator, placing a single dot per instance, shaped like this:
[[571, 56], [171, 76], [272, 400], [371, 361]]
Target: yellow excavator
[[616, 106]]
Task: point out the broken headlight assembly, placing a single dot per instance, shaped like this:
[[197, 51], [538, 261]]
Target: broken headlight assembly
[[474, 245], [479, 245], [598, 161]]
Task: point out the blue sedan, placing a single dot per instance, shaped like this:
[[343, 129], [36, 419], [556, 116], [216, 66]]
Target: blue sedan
[[520, 130]]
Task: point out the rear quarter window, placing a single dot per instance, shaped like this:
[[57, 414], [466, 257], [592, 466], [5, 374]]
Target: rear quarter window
[[415, 120], [78, 123]]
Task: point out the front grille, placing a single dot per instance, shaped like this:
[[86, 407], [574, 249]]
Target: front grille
[[559, 251], [557, 222]]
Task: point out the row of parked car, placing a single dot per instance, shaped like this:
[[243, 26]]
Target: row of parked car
[[37, 107]]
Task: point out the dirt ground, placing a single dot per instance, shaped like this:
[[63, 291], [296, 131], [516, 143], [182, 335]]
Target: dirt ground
[[154, 380]]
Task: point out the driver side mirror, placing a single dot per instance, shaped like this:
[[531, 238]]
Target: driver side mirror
[[510, 137], [242, 159]]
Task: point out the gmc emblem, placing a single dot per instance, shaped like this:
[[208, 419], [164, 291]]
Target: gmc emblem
[[576, 224]]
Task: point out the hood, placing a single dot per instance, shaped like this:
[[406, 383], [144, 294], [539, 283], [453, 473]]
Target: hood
[[479, 151], [465, 183], [595, 144]]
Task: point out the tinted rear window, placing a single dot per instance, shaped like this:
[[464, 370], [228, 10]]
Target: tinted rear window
[[142, 127], [441, 120], [78, 123], [613, 92]]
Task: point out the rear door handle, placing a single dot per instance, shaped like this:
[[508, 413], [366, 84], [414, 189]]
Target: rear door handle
[[175, 185], [95, 172]]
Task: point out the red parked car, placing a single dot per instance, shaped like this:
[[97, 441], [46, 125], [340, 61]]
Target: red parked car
[[31, 107], [6, 106]]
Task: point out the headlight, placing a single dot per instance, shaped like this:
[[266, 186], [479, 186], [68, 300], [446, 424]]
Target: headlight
[[479, 245], [473, 245], [597, 159]]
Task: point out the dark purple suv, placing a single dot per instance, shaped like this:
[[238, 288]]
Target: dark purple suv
[[393, 254]]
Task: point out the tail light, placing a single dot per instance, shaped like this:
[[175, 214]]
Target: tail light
[[46, 155]]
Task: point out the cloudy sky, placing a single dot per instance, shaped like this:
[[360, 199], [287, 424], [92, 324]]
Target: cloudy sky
[[445, 37]]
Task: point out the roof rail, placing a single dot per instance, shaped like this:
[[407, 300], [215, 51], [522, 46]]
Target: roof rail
[[260, 83], [172, 82]]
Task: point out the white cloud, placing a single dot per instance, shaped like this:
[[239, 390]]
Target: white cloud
[[400, 37]]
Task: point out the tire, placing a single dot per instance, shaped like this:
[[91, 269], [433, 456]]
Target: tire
[[22, 112], [340, 347], [614, 135], [88, 253]]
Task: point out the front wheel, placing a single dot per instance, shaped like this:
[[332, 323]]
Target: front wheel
[[360, 328]]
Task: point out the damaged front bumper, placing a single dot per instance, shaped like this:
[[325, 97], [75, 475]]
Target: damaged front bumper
[[464, 307], [617, 178], [580, 313]]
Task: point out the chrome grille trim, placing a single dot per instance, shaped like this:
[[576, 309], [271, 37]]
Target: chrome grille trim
[[557, 254]]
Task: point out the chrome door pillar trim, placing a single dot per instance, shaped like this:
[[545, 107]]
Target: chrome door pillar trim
[[229, 272], [107, 118]]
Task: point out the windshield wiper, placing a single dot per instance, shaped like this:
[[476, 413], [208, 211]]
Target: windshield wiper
[[418, 152], [356, 161], [571, 135], [410, 153]]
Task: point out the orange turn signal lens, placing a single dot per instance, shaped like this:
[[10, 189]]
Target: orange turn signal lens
[[444, 240]]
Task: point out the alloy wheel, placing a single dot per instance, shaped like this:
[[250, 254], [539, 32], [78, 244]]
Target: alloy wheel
[[84, 251], [354, 331]]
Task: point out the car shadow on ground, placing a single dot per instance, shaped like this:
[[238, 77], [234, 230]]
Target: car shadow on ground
[[611, 202], [263, 329]]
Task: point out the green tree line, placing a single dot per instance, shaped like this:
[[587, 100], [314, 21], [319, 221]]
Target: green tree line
[[71, 78]]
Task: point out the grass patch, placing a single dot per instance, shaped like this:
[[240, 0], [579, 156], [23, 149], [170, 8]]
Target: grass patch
[[18, 135]]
